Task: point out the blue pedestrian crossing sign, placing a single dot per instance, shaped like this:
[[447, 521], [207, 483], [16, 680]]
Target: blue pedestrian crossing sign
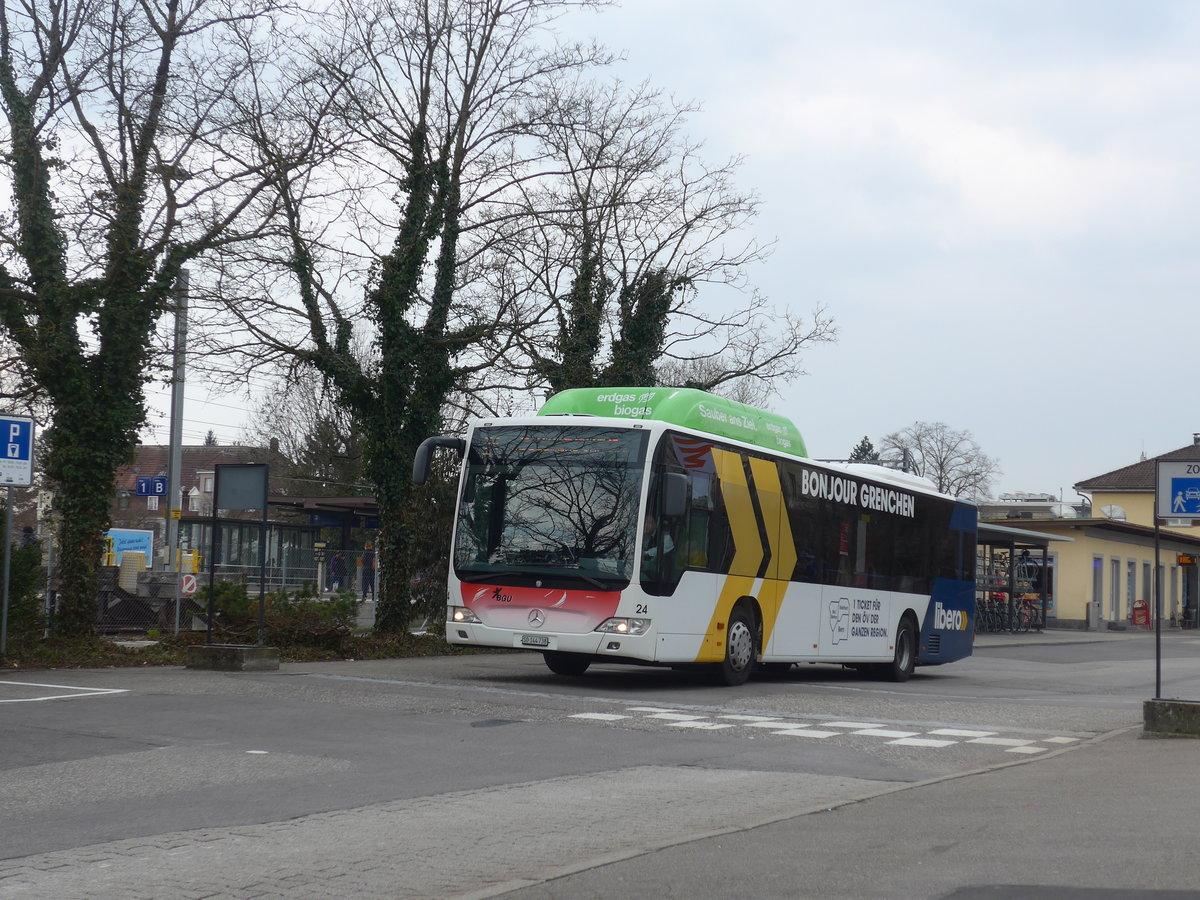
[[16, 451], [1178, 489]]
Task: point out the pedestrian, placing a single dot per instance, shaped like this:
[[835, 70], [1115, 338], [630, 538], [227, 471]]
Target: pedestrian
[[368, 570], [337, 571]]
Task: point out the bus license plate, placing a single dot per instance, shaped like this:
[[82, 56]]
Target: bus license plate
[[535, 640]]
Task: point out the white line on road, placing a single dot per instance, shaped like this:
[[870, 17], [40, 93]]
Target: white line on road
[[79, 692]]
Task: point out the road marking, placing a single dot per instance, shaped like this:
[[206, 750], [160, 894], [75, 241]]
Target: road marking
[[852, 724], [933, 738], [79, 692], [1001, 742], [603, 717]]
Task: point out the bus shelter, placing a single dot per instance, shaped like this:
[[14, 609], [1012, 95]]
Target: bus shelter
[[1014, 580]]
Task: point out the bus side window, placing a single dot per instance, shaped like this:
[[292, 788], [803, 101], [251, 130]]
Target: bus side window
[[804, 516], [699, 518]]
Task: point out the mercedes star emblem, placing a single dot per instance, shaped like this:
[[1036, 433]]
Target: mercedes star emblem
[[537, 618]]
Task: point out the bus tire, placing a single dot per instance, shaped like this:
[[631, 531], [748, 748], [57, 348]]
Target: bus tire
[[566, 663], [901, 667], [740, 649]]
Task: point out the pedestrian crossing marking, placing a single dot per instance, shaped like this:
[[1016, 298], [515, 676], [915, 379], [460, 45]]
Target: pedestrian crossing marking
[[933, 738], [602, 717], [1001, 742]]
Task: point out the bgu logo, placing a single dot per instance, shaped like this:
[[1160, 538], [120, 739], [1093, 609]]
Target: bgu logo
[[949, 619]]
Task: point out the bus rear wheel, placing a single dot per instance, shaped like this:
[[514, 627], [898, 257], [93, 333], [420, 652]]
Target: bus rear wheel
[[740, 648], [566, 663], [905, 660]]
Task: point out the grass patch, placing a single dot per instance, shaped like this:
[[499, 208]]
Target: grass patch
[[171, 650]]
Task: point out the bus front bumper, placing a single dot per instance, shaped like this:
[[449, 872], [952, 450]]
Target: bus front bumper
[[591, 643]]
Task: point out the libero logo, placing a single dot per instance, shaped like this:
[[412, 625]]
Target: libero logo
[[949, 619]]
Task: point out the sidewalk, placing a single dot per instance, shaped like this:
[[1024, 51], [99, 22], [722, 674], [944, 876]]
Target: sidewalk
[[1048, 636]]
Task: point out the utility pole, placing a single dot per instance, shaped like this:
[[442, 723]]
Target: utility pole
[[175, 450]]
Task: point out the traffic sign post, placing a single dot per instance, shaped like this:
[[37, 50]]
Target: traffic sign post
[[1176, 496], [16, 470]]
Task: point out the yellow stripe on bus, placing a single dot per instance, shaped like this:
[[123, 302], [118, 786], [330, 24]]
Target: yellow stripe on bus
[[747, 554], [779, 536]]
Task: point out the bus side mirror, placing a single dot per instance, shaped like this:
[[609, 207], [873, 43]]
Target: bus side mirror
[[674, 495], [420, 472]]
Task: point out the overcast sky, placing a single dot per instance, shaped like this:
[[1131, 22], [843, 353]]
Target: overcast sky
[[996, 201]]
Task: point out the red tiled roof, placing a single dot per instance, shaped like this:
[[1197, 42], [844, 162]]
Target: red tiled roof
[[150, 460], [1136, 477]]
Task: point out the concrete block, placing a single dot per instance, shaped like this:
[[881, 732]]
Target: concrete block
[[233, 658], [1171, 718]]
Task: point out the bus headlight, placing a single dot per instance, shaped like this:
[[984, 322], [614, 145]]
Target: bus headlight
[[624, 626], [462, 614]]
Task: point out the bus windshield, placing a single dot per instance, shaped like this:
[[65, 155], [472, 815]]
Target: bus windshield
[[553, 503]]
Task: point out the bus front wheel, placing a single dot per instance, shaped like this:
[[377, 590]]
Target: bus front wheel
[[740, 648], [566, 663]]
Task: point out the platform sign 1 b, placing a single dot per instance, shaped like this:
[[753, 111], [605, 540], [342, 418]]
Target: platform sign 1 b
[[16, 450], [1177, 493]]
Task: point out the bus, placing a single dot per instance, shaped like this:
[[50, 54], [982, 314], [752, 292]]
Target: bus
[[672, 527]]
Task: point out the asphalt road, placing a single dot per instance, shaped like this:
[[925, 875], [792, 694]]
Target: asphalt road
[[1017, 772]]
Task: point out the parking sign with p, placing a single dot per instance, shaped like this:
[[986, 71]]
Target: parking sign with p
[[16, 462]]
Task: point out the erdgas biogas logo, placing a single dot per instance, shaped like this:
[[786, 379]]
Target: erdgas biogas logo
[[949, 619]]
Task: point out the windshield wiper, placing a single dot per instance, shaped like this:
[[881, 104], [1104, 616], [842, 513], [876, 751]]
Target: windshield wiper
[[481, 576], [528, 572]]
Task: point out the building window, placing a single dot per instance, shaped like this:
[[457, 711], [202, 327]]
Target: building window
[[1114, 590], [208, 484], [152, 503], [194, 502], [1130, 587]]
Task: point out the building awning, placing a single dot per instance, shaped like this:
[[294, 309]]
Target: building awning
[[990, 533]]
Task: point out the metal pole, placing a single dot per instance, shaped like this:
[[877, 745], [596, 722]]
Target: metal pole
[[212, 554], [7, 568], [1157, 615], [262, 574], [175, 450], [49, 580]]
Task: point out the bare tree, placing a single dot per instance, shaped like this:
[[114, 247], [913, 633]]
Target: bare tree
[[116, 154], [617, 250], [415, 113], [949, 458], [319, 438]]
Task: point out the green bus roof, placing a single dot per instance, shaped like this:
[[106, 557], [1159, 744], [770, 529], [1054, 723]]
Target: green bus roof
[[687, 407]]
